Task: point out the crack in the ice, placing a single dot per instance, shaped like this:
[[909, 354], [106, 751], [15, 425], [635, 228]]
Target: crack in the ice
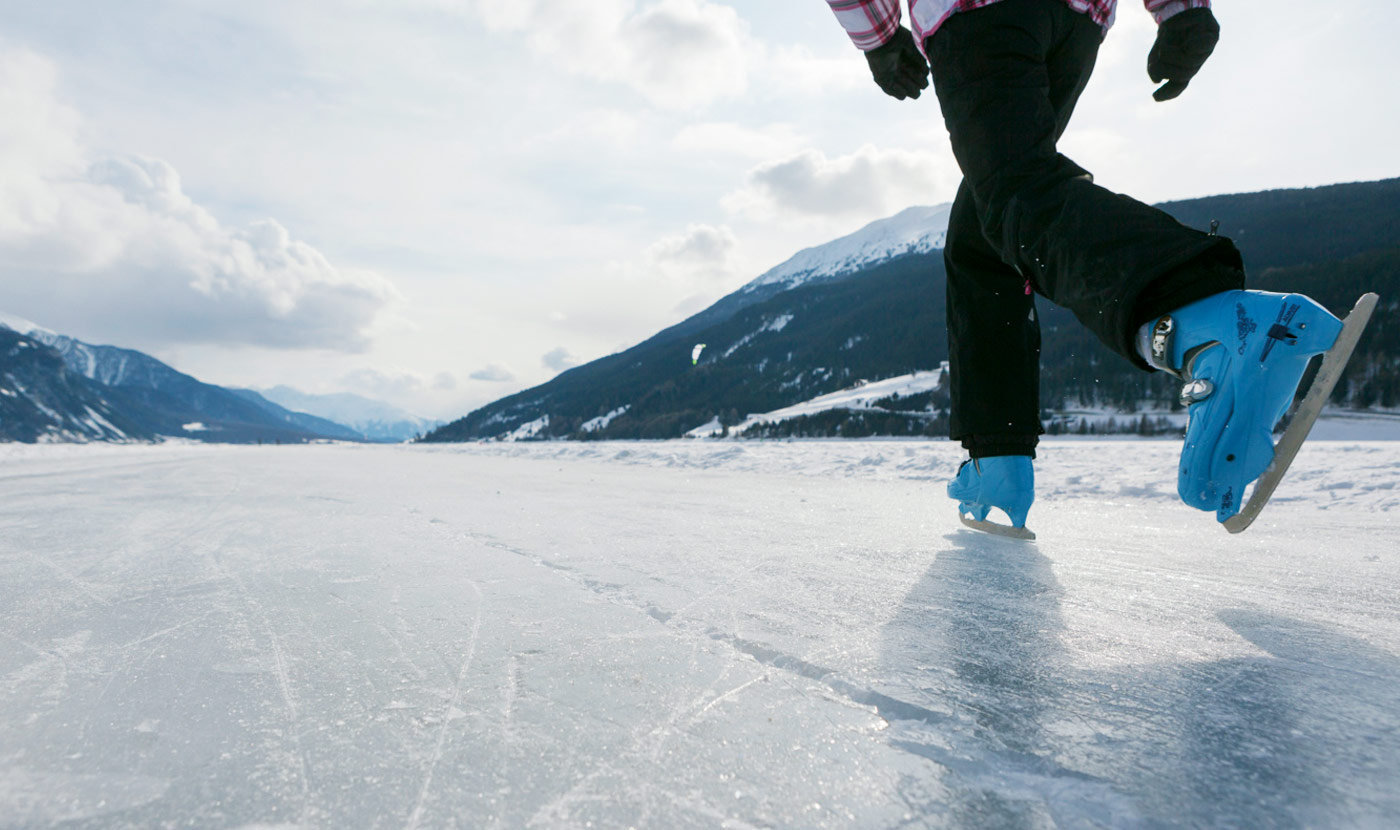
[[1034, 771], [440, 749], [164, 631], [889, 708], [252, 607], [82, 585]]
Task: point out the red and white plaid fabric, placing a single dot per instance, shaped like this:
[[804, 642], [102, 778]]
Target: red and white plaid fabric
[[871, 23]]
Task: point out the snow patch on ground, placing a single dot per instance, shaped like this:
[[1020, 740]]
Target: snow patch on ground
[[1328, 474], [528, 430], [861, 396], [776, 324], [602, 421], [710, 429]]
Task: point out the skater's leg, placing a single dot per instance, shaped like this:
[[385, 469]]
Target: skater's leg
[[1007, 77], [993, 343], [995, 377]]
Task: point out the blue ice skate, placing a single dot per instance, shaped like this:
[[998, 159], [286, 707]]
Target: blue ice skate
[[1241, 355], [1006, 482]]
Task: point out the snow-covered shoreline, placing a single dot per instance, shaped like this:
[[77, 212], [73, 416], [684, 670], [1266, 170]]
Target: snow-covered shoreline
[[1329, 473]]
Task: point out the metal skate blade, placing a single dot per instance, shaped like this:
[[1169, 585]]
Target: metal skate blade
[[1334, 360], [995, 529]]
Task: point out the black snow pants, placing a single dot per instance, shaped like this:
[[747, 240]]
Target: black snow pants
[[1028, 220]]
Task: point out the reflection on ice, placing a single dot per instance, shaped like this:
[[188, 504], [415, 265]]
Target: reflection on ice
[[981, 633], [1254, 741]]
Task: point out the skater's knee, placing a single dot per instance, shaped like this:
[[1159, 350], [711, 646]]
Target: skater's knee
[[968, 251], [1034, 181]]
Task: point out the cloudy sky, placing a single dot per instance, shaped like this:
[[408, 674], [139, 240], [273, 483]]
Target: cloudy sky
[[440, 202]]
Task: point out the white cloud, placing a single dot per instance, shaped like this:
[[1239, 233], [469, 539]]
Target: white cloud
[[796, 69], [703, 253], [683, 272], [733, 139], [694, 304], [386, 385], [870, 181], [558, 359], [589, 130], [112, 245], [493, 373], [679, 54], [687, 52]]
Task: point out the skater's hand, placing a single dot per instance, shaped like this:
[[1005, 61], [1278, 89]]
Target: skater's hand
[[898, 66], [1184, 42]]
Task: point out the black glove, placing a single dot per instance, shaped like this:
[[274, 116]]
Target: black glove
[[1184, 42], [898, 66]]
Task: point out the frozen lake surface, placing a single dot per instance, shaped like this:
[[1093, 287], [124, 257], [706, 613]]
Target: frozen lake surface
[[688, 634]]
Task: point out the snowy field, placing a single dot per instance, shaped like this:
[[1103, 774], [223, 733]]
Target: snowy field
[[688, 634]]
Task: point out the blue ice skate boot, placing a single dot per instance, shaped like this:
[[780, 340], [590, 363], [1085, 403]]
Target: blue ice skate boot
[[1241, 355], [1003, 481]]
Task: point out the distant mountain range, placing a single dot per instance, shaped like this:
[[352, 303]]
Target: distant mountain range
[[871, 305], [372, 420], [57, 388], [868, 306]]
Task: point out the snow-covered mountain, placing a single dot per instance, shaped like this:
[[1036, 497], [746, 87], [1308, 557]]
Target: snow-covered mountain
[[865, 305], [155, 399], [108, 365], [871, 305], [913, 230], [22, 326], [41, 400], [375, 420]]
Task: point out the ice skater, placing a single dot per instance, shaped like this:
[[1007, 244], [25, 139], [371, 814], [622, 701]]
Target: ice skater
[[1027, 220]]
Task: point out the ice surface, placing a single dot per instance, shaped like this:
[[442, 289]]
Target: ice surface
[[687, 634]]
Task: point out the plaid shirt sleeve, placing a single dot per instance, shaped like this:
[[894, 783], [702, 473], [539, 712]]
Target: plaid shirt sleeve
[[1163, 9], [870, 23]]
